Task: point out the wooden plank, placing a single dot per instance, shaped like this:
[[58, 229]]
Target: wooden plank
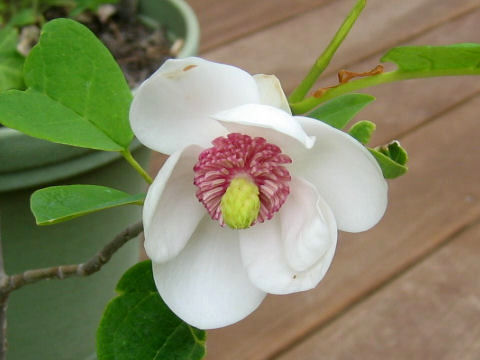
[[283, 320], [438, 196], [402, 106], [290, 48], [432, 312], [222, 21], [389, 111]]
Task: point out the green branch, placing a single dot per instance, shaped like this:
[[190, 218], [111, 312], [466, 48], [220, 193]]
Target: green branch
[[324, 59], [310, 103]]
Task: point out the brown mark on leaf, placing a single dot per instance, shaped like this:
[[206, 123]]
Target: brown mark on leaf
[[294, 276], [344, 76], [189, 67]]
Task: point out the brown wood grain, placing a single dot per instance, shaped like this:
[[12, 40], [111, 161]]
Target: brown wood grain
[[222, 21], [431, 312], [439, 195], [403, 106], [289, 48]]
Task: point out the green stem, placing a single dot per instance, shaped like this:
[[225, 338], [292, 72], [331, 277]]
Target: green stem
[[128, 156], [324, 59], [310, 103], [35, 8]]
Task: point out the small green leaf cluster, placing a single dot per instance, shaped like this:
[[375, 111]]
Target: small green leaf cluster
[[137, 324], [392, 159], [339, 111]]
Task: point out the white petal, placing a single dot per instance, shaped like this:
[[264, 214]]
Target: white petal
[[271, 92], [171, 211], [293, 251], [273, 124], [345, 174], [206, 285], [171, 109]]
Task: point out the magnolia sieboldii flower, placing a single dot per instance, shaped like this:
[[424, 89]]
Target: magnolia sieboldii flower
[[251, 197]]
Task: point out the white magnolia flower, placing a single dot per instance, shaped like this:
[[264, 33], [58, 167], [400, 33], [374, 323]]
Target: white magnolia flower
[[239, 157]]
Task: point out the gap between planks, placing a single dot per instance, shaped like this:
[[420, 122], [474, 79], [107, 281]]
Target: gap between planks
[[425, 90], [368, 294], [402, 243], [377, 28], [219, 39], [412, 263], [406, 39]]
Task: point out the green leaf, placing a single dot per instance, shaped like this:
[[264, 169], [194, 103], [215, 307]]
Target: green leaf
[[8, 40], [339, 111], [23, 17], [53, 121], [138, 325], [392, 159], [395, 152], [61, 203], [70, 73], [11, 62], [362, 131], [435, 58]]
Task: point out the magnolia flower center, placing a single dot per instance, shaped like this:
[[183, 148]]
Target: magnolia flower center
[[241, 180]]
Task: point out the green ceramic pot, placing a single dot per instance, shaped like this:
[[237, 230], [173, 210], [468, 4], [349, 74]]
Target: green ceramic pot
[[57, 319]]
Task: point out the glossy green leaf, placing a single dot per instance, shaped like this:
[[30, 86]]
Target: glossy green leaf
[[53, 121], [56, 204], [11, 62], [138, 325], [435, 58], [70, 73], [339, 111], [362, 131], [392, 159]]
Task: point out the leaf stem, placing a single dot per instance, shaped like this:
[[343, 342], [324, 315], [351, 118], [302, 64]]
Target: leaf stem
[[312, 102], [324, 59], [128, 156]]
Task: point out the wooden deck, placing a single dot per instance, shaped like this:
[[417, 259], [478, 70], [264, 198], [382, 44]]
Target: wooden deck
[[409, 288]]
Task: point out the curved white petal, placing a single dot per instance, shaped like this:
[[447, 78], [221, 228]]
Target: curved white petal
[[293, 251], [271, 92], [271, 123], [171, 109], [345, 174], [206, 285], [171, 211]]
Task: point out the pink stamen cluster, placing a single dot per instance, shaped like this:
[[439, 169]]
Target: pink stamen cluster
[[240, 155]]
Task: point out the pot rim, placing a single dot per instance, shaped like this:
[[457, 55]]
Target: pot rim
[[29, 162]]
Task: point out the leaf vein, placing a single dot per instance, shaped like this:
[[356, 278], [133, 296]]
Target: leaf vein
[[167, 340]]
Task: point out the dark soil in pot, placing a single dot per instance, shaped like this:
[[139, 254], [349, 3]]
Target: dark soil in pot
[[138, 47]]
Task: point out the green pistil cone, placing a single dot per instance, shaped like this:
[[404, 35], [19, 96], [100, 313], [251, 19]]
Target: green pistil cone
[[240, 204]]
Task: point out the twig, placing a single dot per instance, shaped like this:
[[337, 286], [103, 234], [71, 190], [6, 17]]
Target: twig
[[3, 326], [17, 281], [14, 282]]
